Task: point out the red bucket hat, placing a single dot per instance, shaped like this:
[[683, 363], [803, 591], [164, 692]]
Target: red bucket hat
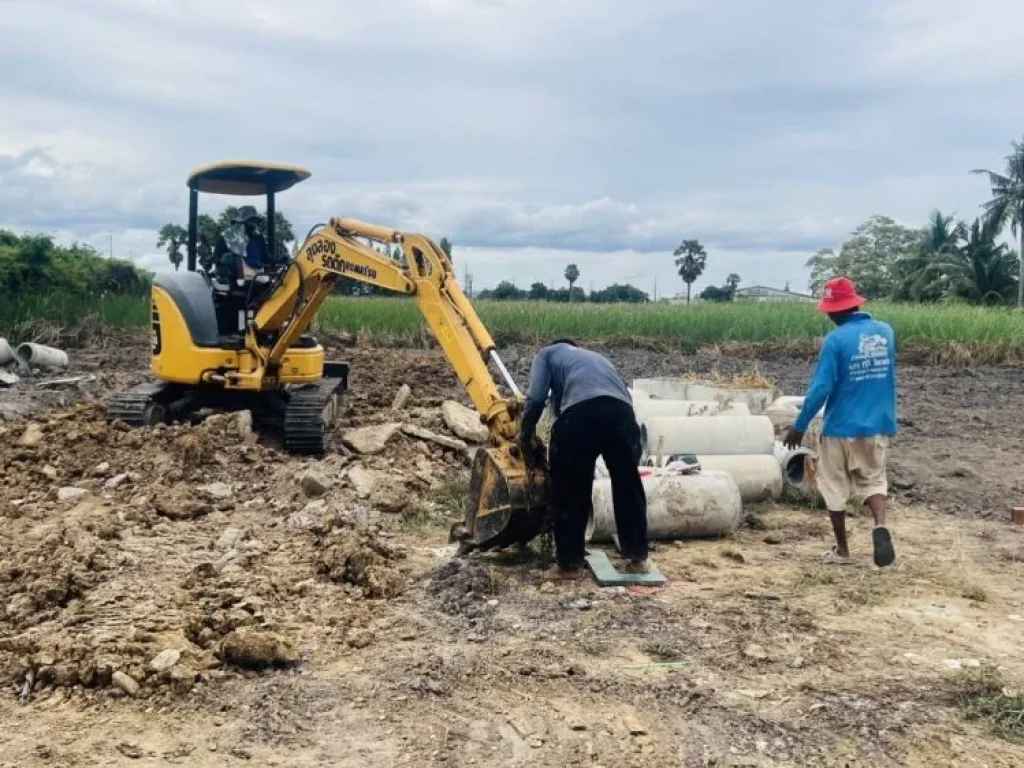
[[840, 295]]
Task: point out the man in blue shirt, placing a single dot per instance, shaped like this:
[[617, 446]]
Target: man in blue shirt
[[594, 417], [856, 382]]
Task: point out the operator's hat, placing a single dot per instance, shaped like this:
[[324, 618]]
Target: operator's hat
[[840, 295], [245, 213]]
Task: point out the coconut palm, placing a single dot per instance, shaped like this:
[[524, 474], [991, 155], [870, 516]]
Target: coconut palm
[[942, 237], [1007, 203], [980, 271]]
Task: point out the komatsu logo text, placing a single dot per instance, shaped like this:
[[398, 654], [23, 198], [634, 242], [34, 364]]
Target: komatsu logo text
[[338, 264]]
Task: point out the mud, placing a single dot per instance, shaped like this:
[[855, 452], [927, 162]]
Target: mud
[[182, 595]]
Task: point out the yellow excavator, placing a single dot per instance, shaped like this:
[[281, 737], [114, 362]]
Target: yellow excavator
[[222, 341]]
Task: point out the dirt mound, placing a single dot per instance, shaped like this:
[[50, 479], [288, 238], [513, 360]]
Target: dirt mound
[[361, 557]]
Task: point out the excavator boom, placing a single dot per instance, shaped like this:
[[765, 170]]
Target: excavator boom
[[508, 491]]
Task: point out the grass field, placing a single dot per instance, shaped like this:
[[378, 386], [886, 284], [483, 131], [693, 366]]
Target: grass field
[[997, 332]]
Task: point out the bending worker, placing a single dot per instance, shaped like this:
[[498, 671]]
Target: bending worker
[[856, 382], [594, 417]]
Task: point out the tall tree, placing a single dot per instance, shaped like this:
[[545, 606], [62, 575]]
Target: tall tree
[[538, 291], [1007, 203], [732, 282], [446, 246], [870, 256], [572, 274], [173, 237], [823, 266], [691, 258]]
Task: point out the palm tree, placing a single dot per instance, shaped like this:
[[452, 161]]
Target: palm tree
[[942, 237], [981, 271], [1007, 203], [173, 236], [690, 261], [572, 274]]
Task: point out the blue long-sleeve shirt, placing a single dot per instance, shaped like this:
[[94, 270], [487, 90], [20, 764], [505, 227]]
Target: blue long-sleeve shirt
[[855, 380], [572, 375]]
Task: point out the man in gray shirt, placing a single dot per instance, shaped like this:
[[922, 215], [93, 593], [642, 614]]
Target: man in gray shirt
[[594, 417]]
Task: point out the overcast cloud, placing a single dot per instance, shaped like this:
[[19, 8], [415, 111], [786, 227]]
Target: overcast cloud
[[533, 133]]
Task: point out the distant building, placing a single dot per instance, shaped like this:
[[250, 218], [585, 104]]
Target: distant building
[[764, 293]]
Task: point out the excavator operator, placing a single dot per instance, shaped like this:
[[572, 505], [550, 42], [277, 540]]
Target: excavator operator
[[244, 238], [594, 417]]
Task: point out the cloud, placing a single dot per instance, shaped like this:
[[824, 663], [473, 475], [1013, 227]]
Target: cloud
[[530, 132]]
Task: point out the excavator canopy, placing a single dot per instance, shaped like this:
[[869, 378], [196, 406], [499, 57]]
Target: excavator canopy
[[246, 178]]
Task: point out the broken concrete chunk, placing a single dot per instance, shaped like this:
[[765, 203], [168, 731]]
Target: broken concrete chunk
[[313, 484], [69, 493], [216, 491], [125, 682], [165, 660], [8, 379], [32, 437], [425, 434], [363, 481], [401, 398], [116, 481], [372, 439], [464, 422]]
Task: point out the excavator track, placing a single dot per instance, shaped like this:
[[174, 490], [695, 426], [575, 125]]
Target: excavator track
[[141, 406], [309, 416]]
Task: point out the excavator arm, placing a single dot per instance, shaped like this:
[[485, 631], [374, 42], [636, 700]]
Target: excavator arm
[[508, 491]]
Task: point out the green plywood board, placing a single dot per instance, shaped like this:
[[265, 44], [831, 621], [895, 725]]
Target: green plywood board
[[606, 575]]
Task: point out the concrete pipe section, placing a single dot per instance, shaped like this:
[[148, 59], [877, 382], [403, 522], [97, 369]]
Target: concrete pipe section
[[646, 409], [794, 464], [759, 477], [662, 388], [40, 356], [678, 507], [6, 353], [638, 394], [708, 435], [757, 400]]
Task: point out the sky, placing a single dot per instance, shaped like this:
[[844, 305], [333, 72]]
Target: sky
[[532, 133]]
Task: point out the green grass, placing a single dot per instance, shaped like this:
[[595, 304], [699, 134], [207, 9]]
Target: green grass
[[959, 331]]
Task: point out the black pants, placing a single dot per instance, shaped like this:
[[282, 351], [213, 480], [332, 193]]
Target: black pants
[[606, 427]]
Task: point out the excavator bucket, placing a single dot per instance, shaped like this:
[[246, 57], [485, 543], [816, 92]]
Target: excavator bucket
[[508, 499]]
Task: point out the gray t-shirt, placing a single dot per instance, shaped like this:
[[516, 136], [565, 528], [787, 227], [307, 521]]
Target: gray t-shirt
[[571, 375]]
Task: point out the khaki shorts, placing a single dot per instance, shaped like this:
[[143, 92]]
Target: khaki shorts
[[851, 468]]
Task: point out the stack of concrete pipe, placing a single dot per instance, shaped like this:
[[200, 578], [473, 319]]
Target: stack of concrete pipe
[[32, 354]]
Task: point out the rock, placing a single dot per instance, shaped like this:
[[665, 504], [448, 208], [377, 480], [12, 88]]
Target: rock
[[582, 604], [125, 682], [230, 539], [32, 437], [309, 518], [755, 652], [390, 495], [535, 742], [425, 434], [367, 440], [117, 481], [401, 397], [256, 649], [188, 510], [165, 660], [903, 482], [312, 484], [216, 491], [359, 637], [8, 379], [634, 726], [243, 420], [363, 481], [69, 493], [773, 538], [50, 473], [101, 469], [464, 422]]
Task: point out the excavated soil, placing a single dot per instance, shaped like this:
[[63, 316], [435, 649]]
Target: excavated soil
[[190, 595]]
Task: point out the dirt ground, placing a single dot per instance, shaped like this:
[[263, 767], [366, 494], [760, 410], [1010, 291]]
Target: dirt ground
[[192, 596]]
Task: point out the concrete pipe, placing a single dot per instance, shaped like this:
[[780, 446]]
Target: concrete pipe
[[708, 435], [789, 401], [646, 409], [639, 394], [757, 400], [793, 464], [782, 416], [759, 477], [43, 357], [735, 409], [678, 507], [6, 353], [662, 388]]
